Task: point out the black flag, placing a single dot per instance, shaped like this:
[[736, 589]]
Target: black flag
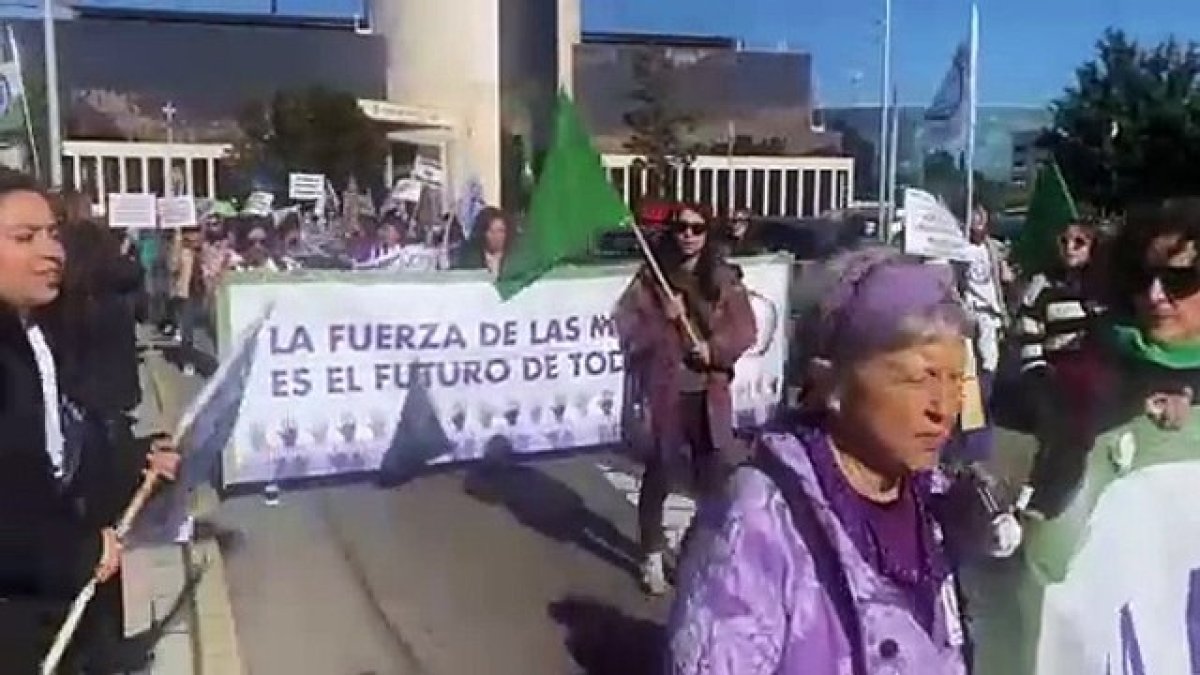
[[419, 437]]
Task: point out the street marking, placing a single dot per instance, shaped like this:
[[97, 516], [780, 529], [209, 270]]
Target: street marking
[[678, 510]]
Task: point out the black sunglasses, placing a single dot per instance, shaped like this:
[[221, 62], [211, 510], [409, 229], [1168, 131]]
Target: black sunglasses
[[679, 227], [1177, 282], [1073, 242]]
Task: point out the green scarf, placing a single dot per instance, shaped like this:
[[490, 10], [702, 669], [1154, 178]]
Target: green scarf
[[1134, 344]]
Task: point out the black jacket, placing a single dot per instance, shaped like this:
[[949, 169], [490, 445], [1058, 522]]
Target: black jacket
[[47, 548]]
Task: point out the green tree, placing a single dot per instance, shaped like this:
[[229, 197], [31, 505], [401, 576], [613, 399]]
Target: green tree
[[312, 130], [1128, 129], [946, 177], [659, 130]]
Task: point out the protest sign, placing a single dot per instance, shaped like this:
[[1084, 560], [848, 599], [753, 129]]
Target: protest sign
[[306, 187], [428, 170], [407, 190], [177, 212], [1129, 601], [930, 230], [132, 211], [259, 203], [339, 353]]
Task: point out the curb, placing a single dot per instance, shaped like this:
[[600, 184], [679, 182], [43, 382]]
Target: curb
[[214, 637], [215, 649]]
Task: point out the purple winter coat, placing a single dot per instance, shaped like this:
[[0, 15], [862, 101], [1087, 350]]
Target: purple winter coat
[[750, 601]]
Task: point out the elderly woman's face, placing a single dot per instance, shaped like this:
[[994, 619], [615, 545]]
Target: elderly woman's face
[[902, 405], [1168, 299]]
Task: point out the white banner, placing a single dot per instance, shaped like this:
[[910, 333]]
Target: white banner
[[334, 362], [930, 230], [306, 187], [132, 211], [177, 212]]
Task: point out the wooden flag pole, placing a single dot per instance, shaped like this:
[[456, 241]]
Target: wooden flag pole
[[63, 639], [666, 287]]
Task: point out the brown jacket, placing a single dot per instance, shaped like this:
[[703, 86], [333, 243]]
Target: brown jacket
[[655, 351]]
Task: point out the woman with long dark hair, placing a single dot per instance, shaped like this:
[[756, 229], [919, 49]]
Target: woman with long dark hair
[[683, 374], [490, 241]]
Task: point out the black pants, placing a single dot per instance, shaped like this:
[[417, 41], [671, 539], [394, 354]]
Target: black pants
[[708, 472]]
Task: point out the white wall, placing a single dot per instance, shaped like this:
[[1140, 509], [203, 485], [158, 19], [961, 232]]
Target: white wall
[[445, 55]]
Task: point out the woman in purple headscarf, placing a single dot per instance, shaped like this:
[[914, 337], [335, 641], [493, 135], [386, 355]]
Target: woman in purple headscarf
[[825, 558]]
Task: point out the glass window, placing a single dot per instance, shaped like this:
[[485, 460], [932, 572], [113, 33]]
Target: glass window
[[133, 175], [808, 203], [156, 176], [775, 189], [826, 196], [723, 196], [200, 187], [689, 185], [707, 195], [758, 191], [791, 199], [740, 192]]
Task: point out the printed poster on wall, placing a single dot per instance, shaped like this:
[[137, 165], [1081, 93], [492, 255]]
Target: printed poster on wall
[[333, 365]]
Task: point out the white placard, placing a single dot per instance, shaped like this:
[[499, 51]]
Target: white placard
[[331, 368], [306, 187], [177, 212], [428, 170], [259, 203], [407, 190], [930, 230], [132, 211]]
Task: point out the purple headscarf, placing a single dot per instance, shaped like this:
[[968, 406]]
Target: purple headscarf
[[872, 292]]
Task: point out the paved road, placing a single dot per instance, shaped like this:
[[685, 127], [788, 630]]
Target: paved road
[[517, 570]]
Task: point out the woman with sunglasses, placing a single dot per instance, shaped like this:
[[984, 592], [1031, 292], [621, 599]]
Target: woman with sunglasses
[[1119, 433], [683, 375], [1060, 309]]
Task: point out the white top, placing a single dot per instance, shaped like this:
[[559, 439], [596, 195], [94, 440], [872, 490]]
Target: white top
[[55, 442], [983, 300]]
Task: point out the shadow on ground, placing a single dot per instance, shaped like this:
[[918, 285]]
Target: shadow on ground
[[604, 641], [549, 506]]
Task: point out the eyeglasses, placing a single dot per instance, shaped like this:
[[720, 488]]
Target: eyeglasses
[[1176, 282], [1074, 242], [696, 229]]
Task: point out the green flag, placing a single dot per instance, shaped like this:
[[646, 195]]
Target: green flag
[[572, 204], [1051, 209]]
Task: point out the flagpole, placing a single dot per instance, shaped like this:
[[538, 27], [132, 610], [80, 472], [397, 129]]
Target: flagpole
[[885, 87], [53, 112], [893, 152], [972, 113], [672, 296]]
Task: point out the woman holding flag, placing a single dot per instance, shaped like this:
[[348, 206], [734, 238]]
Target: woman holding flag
[[680, 347]]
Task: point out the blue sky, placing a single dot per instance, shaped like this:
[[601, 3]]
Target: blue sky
[[1029, 47]]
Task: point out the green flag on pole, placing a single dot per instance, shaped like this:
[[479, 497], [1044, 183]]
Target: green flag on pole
[[572, 204], [1051, 209]]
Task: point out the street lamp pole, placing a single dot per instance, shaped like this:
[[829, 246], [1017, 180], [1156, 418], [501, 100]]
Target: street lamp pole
[[53, 110], [885, 224], [169, 111]]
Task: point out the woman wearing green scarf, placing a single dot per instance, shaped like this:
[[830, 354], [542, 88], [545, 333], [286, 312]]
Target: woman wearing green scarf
[[1108, 577]]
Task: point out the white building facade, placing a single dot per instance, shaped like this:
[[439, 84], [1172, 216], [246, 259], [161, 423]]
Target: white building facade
[[786, 187]]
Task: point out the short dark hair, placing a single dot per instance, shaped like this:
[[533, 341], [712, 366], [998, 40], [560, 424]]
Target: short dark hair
[[12, 181]]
